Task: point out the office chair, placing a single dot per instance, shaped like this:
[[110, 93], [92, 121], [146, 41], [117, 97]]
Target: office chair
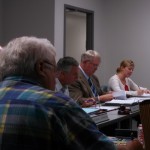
[[145, 120]]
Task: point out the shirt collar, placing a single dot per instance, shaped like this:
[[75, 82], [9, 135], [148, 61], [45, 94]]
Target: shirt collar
[[22, 78], [58, 85], [86, 76]]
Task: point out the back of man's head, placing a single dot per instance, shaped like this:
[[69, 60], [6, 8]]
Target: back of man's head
[[20, 56]]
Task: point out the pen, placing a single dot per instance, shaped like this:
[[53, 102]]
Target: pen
[[98, 101], [141, 91]]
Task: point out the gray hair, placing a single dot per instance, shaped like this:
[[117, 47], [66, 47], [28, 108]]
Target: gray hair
[[89, 55], [65, 64], [21, 54], [1, 48]]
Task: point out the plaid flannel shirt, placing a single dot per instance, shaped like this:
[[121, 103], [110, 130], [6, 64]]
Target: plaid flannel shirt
[[35, 118]]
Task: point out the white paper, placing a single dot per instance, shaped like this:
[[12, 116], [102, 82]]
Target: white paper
[[146, 95], [119, 95], [115, 101], [108, 108], [128, 101], [93, 109]]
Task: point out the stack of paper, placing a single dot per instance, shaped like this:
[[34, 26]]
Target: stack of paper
[[146, 95], [97, 114], [116, 102], [131, 103], [119, 95]]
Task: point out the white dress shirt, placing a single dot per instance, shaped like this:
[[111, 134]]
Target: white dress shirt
[[60, 88]]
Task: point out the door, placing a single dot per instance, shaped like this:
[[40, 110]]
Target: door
[[78, 31]]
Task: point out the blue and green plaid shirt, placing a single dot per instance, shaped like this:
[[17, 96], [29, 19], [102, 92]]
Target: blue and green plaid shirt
[[35, 118]]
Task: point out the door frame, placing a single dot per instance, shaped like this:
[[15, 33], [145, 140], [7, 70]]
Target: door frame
[[89, 25]]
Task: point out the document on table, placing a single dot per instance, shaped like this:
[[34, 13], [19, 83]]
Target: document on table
[[119, 95], [93, 109], [121, 102], [90, 110], [129, 101], [108, 108], [145, 95]]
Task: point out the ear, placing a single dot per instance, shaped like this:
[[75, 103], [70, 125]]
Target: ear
[[62, 73], [39, 68]]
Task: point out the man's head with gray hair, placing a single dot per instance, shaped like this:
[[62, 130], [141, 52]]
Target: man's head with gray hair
[[90, 61], [89, 55], [0, 48], [28, 57]]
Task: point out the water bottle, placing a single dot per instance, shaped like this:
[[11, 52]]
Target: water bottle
[[140, 134]]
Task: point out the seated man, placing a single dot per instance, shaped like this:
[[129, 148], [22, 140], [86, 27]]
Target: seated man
[[86, 90], [67, 73], [33, 116]]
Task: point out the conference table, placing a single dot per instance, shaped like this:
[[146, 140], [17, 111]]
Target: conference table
[[113, 121], [114, 117], [111, 117]]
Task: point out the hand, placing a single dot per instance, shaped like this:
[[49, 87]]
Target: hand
[[109, 92], [147, 91], [88, 102], [132, 145], [105, 97], [140, 92], [122, 147]]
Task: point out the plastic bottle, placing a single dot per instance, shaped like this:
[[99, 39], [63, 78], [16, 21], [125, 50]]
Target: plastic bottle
[[140, 134]]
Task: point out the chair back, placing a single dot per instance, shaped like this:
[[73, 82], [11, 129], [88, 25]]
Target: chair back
[[145, 120]]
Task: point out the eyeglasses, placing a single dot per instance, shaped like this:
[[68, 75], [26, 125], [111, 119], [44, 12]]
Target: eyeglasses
[[50, 64], [95, 65]]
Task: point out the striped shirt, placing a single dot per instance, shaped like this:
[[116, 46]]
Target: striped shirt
[[35, 118]]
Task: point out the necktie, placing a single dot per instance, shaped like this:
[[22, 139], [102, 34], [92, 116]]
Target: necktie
[[92, 87]]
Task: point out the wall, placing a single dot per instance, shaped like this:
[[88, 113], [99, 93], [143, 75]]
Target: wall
[[126, 35], [1, 21], [28, 17], [121, 29], [93, 5]]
